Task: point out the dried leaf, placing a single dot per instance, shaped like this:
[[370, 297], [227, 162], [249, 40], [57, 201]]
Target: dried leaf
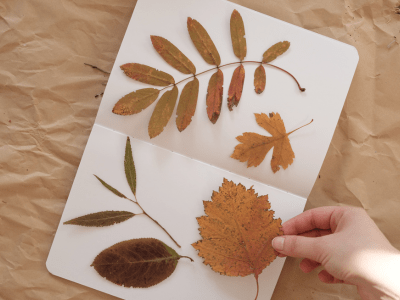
[[140, 262], [135, 102], [255, 147], [173, 55], [238, 35], [259, 79], [130, 171], [237, 232], [147, 74], [236, 87], [115, 191], [162, 112], [187, 104], [203, 42], [101, 219], [274, 51], [214, 96]]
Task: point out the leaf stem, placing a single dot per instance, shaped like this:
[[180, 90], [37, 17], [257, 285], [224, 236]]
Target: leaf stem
[[181, 256], [300, 127], [235, 63], [95, 67]]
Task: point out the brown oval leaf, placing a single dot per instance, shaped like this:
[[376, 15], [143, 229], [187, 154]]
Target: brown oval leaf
[[274, 51], [214, 96], [187, 104], [162, 112], [237, 231], [203, 42], [172, 55], [101, 219], [147, 74], [237, 35], [236, 87], [140, 262], [135, 102], [259, 79]]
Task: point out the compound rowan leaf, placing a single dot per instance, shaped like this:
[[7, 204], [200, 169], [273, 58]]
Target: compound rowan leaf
[[172, 55], [214, 96], [254, 147], [139, 263], [236, 87], [135, 102], [162, 112], [147, 74], [274, 51], [203, 42], [259, 79], [101, 219], [237, 231], [187, 104], [238, 35]]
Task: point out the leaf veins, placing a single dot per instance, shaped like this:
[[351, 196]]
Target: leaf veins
[[214, 96], [187, 104], [135, 102], [147, 74], [101, 219], [236, 87], [237, 35]]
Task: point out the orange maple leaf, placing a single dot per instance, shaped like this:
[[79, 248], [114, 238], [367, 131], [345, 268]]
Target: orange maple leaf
[[255, 146], [237, 231]]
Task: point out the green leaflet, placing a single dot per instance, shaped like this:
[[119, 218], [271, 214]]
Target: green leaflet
[[130, 171], [237, 35], [115, 191], [147, 74], [135, 102], [101, 219]]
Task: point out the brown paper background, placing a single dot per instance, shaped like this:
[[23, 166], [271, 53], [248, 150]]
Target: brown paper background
[[48, 107]]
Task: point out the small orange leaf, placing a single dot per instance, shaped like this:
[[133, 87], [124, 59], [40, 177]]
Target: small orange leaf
[[237, 231], [274, 51], [236, 87], [162, 112], [214, 96], [187, 104], [259, 79], [237, 35], [147, 74], [172, 55], [135, 102], [254, 147], [203, 42]]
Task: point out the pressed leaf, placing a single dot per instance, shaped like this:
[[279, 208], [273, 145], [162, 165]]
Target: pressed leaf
[[237, 231], [130, 171], [236, 87], [259, 79], [254, 147], [214, 96], [101, 219], [162, 112], [138, 263], [172, 55], [109, 187], [147, 74], [187, 104], [274, 51], [203, 42], [135, 102], [238, 35]]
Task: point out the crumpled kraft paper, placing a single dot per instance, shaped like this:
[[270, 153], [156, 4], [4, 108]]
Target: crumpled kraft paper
[[48, 105]]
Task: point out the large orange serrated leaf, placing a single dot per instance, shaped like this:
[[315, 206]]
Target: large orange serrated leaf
[[203, 42], [236, 87], [162, 112], [259, 79], [237, 232], [187, 104], [214, 96], [147, 74], [172, 55], [274, 51], [238, 35], [135, 102]]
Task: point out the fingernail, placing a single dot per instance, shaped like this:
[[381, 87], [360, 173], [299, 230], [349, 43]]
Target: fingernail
[[277, 243]]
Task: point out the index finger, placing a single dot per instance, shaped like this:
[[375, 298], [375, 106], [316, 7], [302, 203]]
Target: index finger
[[317, 218]]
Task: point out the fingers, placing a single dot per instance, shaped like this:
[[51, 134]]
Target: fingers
[[325, 277], [317, 218], [298, 246], [308, 265]]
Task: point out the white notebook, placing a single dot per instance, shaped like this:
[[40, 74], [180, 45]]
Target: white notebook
[[176, 171]]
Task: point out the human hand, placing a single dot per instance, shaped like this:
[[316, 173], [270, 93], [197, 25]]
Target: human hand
[[348, 244]]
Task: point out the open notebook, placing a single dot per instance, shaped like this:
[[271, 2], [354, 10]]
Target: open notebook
[[178, 170]]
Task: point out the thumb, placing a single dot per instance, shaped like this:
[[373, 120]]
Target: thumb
[[298, 246]]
